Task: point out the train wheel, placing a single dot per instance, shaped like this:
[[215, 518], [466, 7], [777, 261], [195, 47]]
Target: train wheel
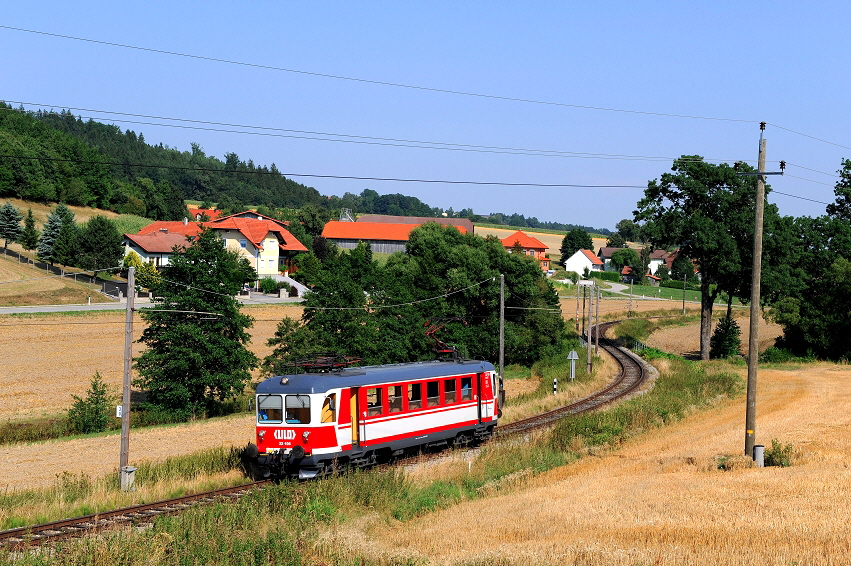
[[462, 440]]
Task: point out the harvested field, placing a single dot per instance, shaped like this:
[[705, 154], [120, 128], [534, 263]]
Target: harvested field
[[47, 358], [661, 498]]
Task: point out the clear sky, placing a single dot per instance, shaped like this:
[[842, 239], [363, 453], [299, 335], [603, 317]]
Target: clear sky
[[736, 62]]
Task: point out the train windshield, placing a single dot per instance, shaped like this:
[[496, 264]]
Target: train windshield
[[298, 409], [270, 409]]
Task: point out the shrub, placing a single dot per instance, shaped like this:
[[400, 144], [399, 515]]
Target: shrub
[[268, 285], [776, 355], [92, 413], [675, 284], [606, 276], [725, 341], [778, 455]]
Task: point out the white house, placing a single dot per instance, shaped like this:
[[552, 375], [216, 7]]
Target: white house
[[582, 260]]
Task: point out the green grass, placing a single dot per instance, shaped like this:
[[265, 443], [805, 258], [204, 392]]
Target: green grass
[[130, 223]]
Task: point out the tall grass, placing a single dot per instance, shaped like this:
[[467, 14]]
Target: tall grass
[[130, 223]]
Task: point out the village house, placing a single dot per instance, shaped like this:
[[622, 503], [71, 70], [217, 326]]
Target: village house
[[582, 260], [382, 237], [530, 246]]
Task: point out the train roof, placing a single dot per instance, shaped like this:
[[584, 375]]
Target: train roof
[[369, 375]]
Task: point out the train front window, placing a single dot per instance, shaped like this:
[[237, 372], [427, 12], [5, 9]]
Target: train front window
[[298, 409], [270, 409]]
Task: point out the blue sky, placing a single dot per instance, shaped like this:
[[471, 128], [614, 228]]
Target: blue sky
[[783, 63]]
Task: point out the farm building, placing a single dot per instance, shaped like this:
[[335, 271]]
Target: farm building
[[382, 237]]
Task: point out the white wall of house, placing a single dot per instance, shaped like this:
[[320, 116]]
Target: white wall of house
[[578, 262]]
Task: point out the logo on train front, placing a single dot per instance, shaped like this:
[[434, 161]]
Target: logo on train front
[[284, 434]]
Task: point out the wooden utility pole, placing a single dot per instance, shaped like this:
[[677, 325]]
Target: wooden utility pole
[[589, 343], [753, 342], [128, 364], [597, 326], [501, 339]]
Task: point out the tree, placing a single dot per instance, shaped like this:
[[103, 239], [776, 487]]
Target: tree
[[624, 257], [196, 337], [842, 207], [92, 413], [49, 235], [576, 239], [65, 250], [615, 241], [702, 207], [10, 223], [99, 244], [30, 235], [628, 230]]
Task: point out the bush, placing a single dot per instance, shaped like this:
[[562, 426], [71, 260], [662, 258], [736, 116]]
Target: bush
[[674, 284], [268, 285], [776, 355], [725, 341], [92, 413], [606, 276], [778, 455]]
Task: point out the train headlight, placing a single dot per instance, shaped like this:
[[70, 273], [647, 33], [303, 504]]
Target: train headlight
[[260, 435], [305, 435]]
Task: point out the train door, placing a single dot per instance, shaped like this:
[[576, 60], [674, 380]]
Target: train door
[[353, 410], [478, 396]]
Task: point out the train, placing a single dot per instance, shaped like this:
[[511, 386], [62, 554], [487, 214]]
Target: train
[[311, 424]]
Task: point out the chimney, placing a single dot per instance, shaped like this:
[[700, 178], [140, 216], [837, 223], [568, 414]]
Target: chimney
[[185, 221], [164, 230]]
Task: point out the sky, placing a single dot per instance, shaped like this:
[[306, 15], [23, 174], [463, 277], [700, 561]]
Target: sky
[[508, 92]]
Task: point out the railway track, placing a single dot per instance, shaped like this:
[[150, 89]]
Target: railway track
[[631, 376]]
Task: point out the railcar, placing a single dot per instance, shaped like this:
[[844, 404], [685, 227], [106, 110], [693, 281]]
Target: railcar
[[309, 424]]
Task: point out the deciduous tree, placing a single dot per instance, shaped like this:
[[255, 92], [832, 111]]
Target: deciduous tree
[[573, 241], [196, 335]]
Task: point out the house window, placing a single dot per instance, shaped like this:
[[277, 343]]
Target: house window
[[243, 244]]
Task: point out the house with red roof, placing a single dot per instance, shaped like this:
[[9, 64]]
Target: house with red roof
[[582, 260], [529, 246], [382, 237], [210, 213], [264, 241]]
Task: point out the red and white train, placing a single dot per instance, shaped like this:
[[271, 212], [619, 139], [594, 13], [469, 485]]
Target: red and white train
[[310, 423]]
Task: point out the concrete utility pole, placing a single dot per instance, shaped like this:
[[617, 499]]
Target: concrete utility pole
[[753, 342], [584, 293], [590, 312], [576, 321], [128, 361]]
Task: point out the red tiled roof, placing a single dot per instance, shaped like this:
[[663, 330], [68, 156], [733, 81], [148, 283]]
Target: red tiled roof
[[525, 241], [255, 231], [626, 270], [173, 227], [211, 213], [388, 219], [158, 242], [370, 231], [591, 257], [253, 215], [658, 254]]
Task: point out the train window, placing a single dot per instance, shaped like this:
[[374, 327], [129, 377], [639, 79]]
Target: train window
[[373, 401], [270, 409], [466, 388], [298, 409], [329, 409], [415, 396], [433, 390], [394, 394], [449, 390]]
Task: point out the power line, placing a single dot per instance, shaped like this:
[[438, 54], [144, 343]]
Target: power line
[[400, 304], [377, 82], [366, 140], [809, 136]]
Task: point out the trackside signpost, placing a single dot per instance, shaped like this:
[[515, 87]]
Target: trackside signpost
[[572, 356]]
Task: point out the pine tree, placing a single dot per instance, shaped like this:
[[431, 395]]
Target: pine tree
[[48, 237], [30, 235], [99, 245], [65, 250], [10, 223]]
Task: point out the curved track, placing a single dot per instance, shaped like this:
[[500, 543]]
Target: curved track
[[631, 376]]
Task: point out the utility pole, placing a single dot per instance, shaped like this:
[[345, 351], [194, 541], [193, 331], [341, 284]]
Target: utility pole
[[629, 314], [576, 321], [128, 361], [590, 312], [753, 342], [685, 275], [597, 326], [501, 339], [584, 293]]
